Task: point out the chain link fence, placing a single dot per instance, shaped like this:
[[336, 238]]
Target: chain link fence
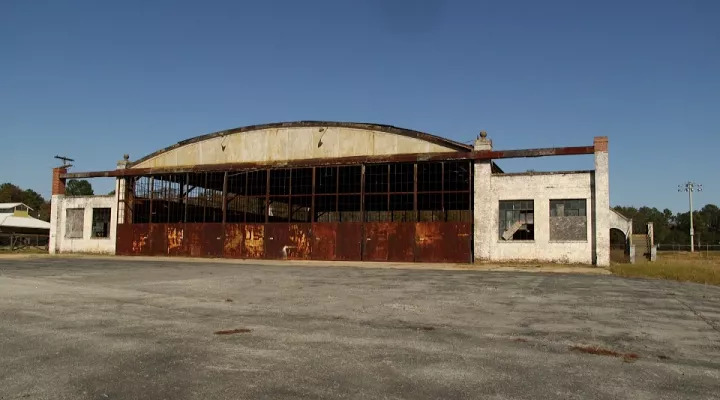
[[21, 242]]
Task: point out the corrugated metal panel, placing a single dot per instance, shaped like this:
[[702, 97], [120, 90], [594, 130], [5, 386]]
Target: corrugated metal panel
[[233, 246]]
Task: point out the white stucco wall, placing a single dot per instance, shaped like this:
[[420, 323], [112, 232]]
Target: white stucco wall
[[292, 143], [59, 243], [541, 188]]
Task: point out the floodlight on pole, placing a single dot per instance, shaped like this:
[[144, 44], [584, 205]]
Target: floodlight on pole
[[691, 187]]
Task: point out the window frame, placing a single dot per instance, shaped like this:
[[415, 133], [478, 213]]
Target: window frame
[[95, 222], [521, 209]]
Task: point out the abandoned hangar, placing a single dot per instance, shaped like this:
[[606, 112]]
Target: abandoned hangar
[[341, 191]]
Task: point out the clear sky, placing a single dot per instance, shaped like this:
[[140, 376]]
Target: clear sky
[[95, 79]]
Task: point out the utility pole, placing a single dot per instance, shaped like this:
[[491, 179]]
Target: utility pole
[[691, 187]]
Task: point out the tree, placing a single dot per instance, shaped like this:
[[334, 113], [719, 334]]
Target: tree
[[111, 193], [76, 187], [10, 193]]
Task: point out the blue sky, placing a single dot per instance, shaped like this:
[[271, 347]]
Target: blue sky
[[96, 79]]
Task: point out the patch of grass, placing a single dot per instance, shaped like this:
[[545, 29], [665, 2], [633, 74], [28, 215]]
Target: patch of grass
[[684, 267]]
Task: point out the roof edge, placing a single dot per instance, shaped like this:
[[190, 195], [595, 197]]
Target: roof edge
[[323, 124]]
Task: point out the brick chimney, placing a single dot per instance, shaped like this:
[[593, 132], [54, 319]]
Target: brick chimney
[[58, 184]]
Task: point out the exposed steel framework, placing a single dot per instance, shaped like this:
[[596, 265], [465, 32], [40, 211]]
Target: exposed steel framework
[[419, 211]]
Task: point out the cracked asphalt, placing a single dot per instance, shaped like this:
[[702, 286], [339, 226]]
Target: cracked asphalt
[[73, 328]]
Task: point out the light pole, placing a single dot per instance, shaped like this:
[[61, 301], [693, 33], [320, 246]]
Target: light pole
[[691, 187]]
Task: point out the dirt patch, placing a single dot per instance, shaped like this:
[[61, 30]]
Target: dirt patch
[[599, 351], [233, 331]]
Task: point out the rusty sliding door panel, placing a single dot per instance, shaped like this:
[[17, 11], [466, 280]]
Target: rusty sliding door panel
[[124, 240], [443, 242], [324, 241], [348, 242], [213, 235], [375, 238], [141, 239], [158, 240], [287, 241], [193, 238], [233, 243], [401, 241], [176, 246], [254, 241]]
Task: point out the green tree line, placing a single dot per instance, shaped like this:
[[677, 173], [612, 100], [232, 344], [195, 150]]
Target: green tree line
[[10, 193], [672, 228]]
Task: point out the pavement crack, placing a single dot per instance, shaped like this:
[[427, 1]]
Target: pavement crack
[[697, 313]]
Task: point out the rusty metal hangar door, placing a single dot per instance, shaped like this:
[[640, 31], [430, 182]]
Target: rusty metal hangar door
[[374, 212]]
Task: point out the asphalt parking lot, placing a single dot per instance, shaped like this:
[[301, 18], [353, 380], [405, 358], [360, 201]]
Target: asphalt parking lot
[[126, 329]]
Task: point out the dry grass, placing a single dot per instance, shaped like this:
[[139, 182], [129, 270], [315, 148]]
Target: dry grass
[[685, 267]]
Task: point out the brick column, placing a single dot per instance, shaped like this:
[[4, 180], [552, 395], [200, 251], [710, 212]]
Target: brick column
[[58, 184], [482, 204], [602, 202], [58, 194]]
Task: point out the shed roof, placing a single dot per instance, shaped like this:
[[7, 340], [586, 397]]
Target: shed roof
[[11, 221], [13, 205]]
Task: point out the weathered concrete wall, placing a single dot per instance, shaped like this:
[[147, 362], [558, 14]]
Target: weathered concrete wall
[[541, 188], [602, 202], [292, 143], [59, 243]]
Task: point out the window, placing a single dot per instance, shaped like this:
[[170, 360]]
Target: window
[[517, 220], [568, 219], [74, 221], [101, 223]]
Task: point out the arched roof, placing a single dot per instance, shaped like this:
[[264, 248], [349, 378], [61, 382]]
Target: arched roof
[[426, 137]]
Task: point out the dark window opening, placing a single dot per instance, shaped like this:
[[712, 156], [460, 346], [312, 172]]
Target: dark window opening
[[101, 223]]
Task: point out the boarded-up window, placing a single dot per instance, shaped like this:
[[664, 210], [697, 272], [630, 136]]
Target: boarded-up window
[[568, 219], [517, 220], [74, 220]]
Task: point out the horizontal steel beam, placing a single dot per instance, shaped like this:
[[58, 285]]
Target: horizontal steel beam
[[321, 162]]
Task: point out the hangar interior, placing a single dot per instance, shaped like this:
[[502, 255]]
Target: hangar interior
[[340, 191]]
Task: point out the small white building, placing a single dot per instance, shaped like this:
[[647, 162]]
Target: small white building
[[342, 191], [15, 218]]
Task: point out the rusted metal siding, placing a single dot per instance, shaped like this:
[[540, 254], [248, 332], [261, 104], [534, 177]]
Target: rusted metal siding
[[124, 239], [254, 241], [443, 242], [141, 239], [288, 241], [194, 239], [401, 242], [213, 236], [158, 240], [176, 245], [349, 242], [233, 246], [324, 241]]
